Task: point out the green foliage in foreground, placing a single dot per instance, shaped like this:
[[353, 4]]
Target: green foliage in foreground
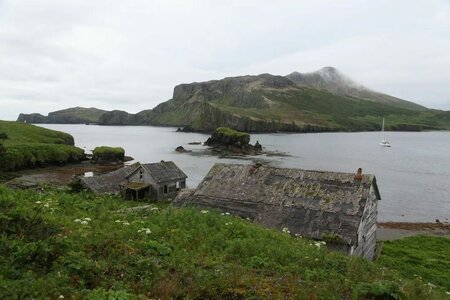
[[30, 146], [424, 256], [82, 246]]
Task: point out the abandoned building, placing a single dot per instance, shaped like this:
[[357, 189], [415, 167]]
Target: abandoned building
[[338, 208], [154, 181]]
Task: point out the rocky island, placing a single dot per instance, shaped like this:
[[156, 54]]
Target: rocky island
[[228, 141]]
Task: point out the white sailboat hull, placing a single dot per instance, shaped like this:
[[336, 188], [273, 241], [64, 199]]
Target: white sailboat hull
[[383, 142]]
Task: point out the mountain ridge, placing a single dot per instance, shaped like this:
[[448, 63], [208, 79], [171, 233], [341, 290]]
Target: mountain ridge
[[325, 100]]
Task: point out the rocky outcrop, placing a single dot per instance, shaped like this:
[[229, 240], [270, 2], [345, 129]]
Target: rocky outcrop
[[229, 141], [108, 155], [32, 118], [117, 117]]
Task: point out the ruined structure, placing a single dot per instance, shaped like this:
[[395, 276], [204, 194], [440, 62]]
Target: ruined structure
[[154, 181], [328, 206]]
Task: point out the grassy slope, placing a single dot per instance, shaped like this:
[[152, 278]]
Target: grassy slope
[[84, 114], [170, 253], [28, 146], [26, 133], [311, 106], [425, 256]]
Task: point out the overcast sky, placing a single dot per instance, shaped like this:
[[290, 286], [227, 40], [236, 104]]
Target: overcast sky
[[129, 55]]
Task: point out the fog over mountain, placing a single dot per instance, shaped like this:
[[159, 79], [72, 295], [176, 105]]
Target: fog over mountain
[[129, 55]]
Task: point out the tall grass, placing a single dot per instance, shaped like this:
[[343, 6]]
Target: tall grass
[[85, 246]]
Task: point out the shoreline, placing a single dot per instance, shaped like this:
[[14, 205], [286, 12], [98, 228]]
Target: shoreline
[[397, 230], [62, 175]]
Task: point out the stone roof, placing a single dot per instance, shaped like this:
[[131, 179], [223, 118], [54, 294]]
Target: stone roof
[[110, 182], [310, 203], [165, 171]]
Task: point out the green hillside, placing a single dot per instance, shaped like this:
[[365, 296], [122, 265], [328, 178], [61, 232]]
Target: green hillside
[[325, 100], [274, 103], [74, 115], [27, 145], [82, 246]]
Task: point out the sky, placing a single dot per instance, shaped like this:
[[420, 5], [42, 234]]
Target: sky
[[129, 55]]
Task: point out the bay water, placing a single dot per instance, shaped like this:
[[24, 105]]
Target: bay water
[[413, 175]]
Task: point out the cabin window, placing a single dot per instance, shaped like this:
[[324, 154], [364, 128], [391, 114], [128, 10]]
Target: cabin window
[[178, 185], [165, 189], [140, 174]]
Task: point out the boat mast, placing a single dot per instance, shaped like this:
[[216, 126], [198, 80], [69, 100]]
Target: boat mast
[[382, 130]]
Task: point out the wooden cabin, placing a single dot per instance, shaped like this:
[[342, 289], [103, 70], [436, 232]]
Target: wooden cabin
[[338, 208], [155, 181]]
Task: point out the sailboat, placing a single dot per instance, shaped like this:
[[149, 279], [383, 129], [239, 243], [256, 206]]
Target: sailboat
[[383, 142]]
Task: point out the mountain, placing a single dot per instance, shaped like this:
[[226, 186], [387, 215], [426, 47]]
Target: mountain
[[325, 100], [75, 115], [332, 80]]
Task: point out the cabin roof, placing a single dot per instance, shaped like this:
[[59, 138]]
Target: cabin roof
[[164, 171], [307, 202], [109, 182]]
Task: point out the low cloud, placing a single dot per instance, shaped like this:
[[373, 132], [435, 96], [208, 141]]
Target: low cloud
[[130, 55]]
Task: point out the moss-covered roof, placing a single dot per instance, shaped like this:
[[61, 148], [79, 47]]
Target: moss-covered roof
[[307, 202]]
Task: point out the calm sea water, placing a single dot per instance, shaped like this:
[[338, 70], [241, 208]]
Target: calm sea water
[[413, 175]]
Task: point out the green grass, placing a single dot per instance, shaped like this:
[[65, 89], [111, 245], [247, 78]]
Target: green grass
[[30, 146], [427, 257], [45, 252], [19, 132], [231, 132]]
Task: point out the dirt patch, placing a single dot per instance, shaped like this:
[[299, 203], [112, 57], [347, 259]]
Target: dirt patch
[[58, 175]]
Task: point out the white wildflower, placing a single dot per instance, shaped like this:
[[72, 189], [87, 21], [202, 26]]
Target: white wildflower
[[319, 244], [431, 285], [84, 222], [227, 213], [145, 230], [77, 220], [118, 221], [204, 211], [248, 219], [298, 235], [222, 214], [126, 223], [47, 205], [88, 219], [154, 208], [61, 297], [448, 293], [38, 202], [286, 230], [228, 223]]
